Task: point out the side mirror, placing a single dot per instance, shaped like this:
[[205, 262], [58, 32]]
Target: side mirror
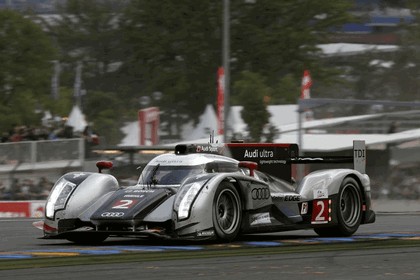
[[250, 165], [103, 164]]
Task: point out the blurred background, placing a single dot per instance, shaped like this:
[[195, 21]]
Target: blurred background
[[104, 79]]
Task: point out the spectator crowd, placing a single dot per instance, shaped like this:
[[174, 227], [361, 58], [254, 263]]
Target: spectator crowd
[[25, 133], [26, 189]]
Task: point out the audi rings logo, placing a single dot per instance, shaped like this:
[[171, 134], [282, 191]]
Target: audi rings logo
[[260, 193], [112, 214]]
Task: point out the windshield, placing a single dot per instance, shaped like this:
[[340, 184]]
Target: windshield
[[167, 175]]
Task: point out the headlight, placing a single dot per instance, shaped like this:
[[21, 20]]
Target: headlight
[[186, 198], [58, 197]]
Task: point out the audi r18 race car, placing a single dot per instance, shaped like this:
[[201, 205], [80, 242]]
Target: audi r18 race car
[[198, 192]]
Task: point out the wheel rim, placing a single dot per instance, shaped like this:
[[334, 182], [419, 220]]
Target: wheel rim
[[350, 205], [227, 211]]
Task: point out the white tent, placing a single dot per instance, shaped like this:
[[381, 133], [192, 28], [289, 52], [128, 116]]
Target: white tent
[[132, 134], [284, 117], [206, 124], [345, 49], [76, 119], [280, 115]]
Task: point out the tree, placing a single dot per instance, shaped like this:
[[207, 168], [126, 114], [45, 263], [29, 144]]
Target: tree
[[134, 48], [103, 109], [175, 47], [88, 34], [26, 53], [403, 74], [279, 39], [252, 90], [392, 76]]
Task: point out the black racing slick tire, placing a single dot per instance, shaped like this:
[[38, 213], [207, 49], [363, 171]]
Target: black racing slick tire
[[227, 212], [348, 209]]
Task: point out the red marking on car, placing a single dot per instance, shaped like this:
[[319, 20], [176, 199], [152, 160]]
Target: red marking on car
[[49, 229]]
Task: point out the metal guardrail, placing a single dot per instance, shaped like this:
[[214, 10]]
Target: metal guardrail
[[41, 153]]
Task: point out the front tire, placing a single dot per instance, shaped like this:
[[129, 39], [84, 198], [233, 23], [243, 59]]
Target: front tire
[[348, 209], [227, 212]]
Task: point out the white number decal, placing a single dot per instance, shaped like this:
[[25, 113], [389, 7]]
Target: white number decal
[[321, 211], [123, 204], [319, 217]]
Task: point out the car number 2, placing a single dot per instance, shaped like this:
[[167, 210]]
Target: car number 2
[[321, 210], [124, 204]]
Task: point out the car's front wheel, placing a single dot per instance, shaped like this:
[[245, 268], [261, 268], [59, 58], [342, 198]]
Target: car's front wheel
[[227, 212], [348, 209]]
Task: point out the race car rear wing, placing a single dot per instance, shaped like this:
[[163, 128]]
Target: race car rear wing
[[358, 159], [277, 159]]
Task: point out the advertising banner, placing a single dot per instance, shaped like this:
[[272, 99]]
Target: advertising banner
[[22, 209]]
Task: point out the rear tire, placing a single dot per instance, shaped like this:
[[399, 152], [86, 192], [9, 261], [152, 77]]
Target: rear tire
[[348, 209], [227, 212]]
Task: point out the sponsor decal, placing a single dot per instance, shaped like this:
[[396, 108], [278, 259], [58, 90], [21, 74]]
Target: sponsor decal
[[289, 197], [272, 161], [134, 195], [320, 193], [260, 193], [358, 153], [292, 198], [304, 208], [139, 191], [145, 191], [206, 233], [112, 214], [77, 175], [258, 153], [169, 161], [260, 218], [207, 149]]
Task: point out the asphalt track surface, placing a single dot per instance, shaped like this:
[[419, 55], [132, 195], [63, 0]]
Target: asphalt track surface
[[387, 249]]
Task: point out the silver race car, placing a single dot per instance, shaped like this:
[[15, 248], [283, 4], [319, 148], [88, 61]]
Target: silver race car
[[198, 192]]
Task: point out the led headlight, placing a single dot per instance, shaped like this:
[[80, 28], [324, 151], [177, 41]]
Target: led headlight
[[186, 198], [58, 197]]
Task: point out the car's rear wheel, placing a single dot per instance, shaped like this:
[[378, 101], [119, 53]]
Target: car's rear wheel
[[348, 209], [227, 212]]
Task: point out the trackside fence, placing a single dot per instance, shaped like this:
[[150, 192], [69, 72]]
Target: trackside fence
[[36, 152], [35, 159]]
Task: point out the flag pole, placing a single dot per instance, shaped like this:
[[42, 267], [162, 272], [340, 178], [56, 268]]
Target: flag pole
[[305, 93], [226, 68]]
